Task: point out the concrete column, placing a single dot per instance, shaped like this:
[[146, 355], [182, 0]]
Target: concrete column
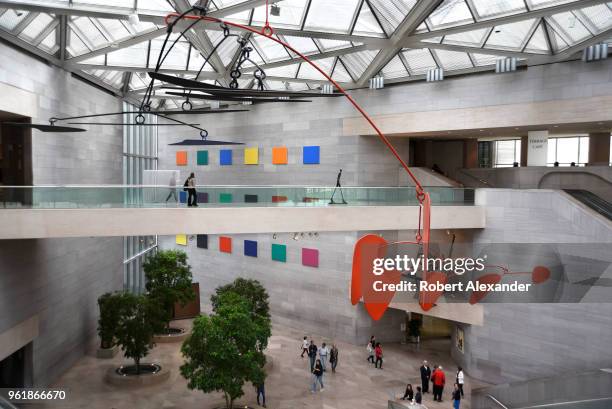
[[524, 149], [470, 153], [599, 148], [537, 148]]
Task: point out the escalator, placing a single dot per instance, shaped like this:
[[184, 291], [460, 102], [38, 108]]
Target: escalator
[[593, 201]]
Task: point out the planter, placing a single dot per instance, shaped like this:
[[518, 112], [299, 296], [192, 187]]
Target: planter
[[174, 335], [107, 353], [151, 374]]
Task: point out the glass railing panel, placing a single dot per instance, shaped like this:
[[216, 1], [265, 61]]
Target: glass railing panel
[[109, 196]]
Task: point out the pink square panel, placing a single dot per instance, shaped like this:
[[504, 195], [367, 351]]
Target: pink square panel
[[310, 257]]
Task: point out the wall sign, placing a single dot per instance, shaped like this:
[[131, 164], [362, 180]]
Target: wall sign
[[537, 148]]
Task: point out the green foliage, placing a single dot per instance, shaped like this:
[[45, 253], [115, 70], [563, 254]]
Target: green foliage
[[168, 278], [222, 352], [110, 305], [141, 318], [257, 297]]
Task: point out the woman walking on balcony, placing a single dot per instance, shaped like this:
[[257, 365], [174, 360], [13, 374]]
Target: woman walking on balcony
[[190, 184]]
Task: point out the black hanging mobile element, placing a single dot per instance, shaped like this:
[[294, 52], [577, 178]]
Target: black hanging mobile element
[[44, 127]]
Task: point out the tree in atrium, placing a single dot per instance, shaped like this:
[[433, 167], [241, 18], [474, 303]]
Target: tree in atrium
[[111, 305], [224, 349], [168, 281], [256, 296]]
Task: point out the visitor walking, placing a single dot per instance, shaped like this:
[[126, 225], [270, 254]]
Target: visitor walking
[[409, 394], [456, 397], [261, 390], [425, 376], [379, 356], [460, 379], [190, 183], [172, 186], [323, 353], [304, 347], [418, 396], [438, 379], [317, 376], [312, 354], [333, 357], [370, 349]]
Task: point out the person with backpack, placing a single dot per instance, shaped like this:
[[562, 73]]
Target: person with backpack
[[379, 356], [460, 379], [333, 357], [190, 187]]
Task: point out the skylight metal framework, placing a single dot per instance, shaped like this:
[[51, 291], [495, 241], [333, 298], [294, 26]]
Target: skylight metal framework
[[353, 40]]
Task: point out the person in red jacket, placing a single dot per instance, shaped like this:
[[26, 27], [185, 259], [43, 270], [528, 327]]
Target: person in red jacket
[[379, 356], [438, 379]]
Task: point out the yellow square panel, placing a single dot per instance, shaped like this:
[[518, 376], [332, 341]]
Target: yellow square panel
[[251, 156], [181, 239]]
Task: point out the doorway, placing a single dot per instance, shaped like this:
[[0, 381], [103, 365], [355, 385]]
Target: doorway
[[15, 159], [15, 369]]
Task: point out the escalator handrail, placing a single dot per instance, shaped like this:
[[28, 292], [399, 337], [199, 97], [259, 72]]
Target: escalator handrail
[[563, 404], [572, 172]]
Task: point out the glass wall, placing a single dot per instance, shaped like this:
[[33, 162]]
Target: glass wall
[[506, 153], [139, 154], [566, 150]]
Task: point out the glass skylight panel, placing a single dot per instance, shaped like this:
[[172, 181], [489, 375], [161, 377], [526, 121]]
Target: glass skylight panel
[[304, 45], [330, 45], [242, 17], [419, 61], [75, 46], [558, 43], [271, 50], [538, 42], [308, 72], [481, 60], [228, 49], [340, 73], [93, 36], [453, 60], [196, 60], [472, 38], [392, 12], [569, 27], [395, 69], [496, 8], [599, 16], [129, 4], [11, 18], [155, 5], [36, 26], [133, 56], [331, 15], [287, 71], [114, 28], [366, 23], [540, 4], [291, 13], [511, 36], [177, 59], [450, 13], [139, 80], [357, 63]]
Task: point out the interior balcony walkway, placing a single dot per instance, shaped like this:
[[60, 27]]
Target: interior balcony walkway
[[28, 212]]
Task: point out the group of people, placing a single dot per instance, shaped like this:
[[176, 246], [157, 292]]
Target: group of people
[[438, 381], [375, 353], [189, 186], [319, 365]]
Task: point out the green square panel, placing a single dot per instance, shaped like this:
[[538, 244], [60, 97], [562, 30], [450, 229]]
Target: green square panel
[[279, 252], [202, 157], [225, 198]]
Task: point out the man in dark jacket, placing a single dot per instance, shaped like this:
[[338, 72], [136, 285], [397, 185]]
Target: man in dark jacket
[[312, 354], [425, 376]]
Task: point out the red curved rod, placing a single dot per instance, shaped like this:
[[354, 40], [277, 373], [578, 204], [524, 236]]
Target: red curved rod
[[268, 32]]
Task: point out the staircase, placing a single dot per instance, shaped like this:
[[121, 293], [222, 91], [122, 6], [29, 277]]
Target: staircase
[[593, 201]]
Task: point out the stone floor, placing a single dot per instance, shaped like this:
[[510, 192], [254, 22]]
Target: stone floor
[[355, 385]]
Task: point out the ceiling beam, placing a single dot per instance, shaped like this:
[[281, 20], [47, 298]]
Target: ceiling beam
[[578, 4], [411, 22]]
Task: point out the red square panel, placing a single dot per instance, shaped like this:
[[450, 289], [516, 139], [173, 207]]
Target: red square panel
[[225, 244], [278, 199]]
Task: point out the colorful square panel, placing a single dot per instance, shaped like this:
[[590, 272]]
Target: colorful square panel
[[181, 158], [279, 155], [225, 244], [202, 241], [202, 158], [251, 156], [225, 157], [279, 199], [225, 198], [310, 257], [311, 155], [279, 252], [181, 239], [183, 196], [250, 248], [251, 199], [202, 197]]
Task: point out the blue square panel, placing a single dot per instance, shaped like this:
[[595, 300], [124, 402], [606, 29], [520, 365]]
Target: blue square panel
[[250, 248], [225, 157], [311, 155], [202, 241], [183, 196], [202, 197]]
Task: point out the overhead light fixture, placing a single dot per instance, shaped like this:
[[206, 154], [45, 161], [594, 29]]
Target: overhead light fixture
[[18, 13], [133, 19], [435, 74], [505, 65], [377, 82], [275, 10], [595, 52], [327, 89]]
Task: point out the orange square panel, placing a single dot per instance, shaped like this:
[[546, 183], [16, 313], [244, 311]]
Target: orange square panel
[[181, 158], [225, 244], [279, 155]]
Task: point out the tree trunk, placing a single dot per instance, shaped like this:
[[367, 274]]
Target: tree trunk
[[228, 403], [137, 361]]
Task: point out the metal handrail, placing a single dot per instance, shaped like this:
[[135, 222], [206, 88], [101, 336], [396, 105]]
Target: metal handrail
[[572, 172], [476, 178], [5, 404], [494, 399], [558, 404]]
